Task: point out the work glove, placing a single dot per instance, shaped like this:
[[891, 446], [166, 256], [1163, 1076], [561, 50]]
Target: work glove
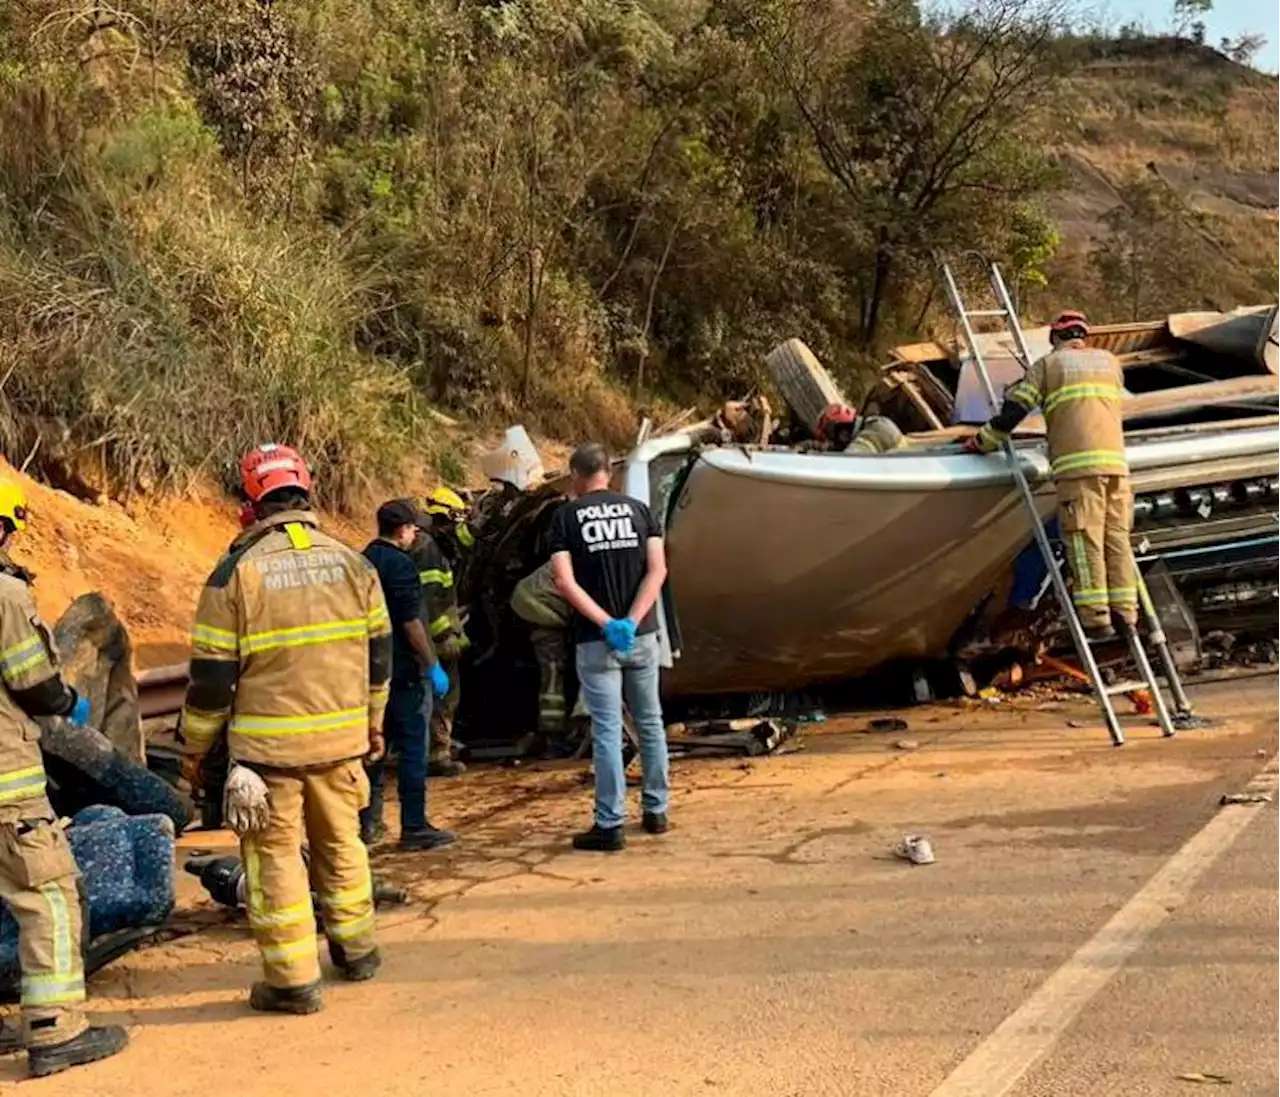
[[439, 680], [972, 445], [620, 634], [453, 645], [246, 804], [79, 715]]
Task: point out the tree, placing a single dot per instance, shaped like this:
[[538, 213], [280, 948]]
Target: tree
[[253, 83], [1153, 259], [1187, 14], [927, 126], [1243, 49]]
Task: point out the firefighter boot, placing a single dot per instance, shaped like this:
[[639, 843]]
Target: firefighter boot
[[10, 1038], [300, 1000], [354, 971], [90, 1046]]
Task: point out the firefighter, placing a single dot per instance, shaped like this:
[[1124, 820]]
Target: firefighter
[[444, 623], [538, 603], [39, 881], [1080, 390], [291, 659], [835, 430], [447, 512], [840, 430]]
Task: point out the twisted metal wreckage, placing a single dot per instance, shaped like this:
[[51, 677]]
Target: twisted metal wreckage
[[791, 568]]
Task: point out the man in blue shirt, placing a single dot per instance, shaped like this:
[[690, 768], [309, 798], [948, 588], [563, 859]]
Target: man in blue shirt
[[414, 670]]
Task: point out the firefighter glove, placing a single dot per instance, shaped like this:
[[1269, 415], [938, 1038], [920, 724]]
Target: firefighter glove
[[439, 680], [246, 805], [620, 634], [79, 715]]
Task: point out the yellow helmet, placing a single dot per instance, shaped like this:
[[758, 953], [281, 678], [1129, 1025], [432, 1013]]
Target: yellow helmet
[[446, 501], [13, 505]]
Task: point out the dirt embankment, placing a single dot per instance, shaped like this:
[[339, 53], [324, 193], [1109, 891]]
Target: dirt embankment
[[150, 558]]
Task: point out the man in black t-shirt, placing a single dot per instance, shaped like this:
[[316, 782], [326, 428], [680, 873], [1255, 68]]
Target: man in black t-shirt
[[609, 563]]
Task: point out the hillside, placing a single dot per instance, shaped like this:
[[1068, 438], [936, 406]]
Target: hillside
[[330, 223], [1184, 142]]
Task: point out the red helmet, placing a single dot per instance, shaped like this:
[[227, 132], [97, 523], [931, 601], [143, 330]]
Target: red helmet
[[269, 467], [833, 416], [1071, 321]]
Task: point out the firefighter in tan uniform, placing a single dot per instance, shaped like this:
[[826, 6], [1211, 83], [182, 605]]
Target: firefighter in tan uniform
[[1080, 390], [39, 881], [291, 656]]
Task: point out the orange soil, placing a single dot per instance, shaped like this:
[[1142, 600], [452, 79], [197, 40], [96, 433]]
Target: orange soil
[[150, 558]]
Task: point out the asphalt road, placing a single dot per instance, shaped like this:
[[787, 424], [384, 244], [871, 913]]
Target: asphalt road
[[1095, 924]]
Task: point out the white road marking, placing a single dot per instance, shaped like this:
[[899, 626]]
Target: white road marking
[[1027, 1034]]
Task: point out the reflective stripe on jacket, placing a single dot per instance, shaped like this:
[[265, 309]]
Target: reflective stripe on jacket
[[291, 649], [877, 434], [32, 687], [439, 597], [1080, 391]]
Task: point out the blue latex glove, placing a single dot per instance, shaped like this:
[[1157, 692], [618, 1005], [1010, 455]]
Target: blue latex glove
[[439, 680], [78, 717], [620, 634]]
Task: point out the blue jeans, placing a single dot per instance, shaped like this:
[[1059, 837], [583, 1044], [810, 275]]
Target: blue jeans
[[606, 678], [405, 728]]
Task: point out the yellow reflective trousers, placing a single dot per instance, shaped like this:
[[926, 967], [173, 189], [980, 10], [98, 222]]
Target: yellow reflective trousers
[[38, 883], [1095, 514], [320, 806]]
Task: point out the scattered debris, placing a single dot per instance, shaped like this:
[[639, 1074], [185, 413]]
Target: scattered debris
[[751, 737], [1204, 1079], [1010, 678], [921, 688], [887, 723], [1246, 798], [907, 744], [224, 879], [915, 848]]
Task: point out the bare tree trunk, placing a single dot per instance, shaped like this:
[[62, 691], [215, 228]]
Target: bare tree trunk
[[879, 287], [532, 277], [653, 293]]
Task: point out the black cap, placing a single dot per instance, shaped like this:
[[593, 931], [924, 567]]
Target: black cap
[[396, 513]]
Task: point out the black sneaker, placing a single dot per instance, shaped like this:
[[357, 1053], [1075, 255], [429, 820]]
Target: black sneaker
[[425, 838], [601, 839], [445, 767], [300, 1000], [90, 1046], [655, 822], [354, 971]]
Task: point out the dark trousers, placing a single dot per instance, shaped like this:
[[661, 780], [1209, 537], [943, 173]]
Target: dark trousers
[[405, 728]]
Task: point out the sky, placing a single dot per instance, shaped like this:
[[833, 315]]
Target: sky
[[1229, 18]]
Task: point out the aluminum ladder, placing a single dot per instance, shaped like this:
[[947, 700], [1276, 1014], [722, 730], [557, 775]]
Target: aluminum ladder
[[1102, 692]]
